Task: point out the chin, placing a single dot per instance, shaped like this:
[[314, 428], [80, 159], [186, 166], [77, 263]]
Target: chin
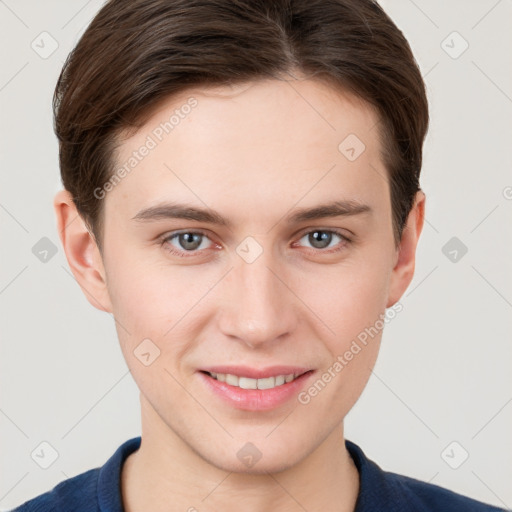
[[261, 467], [258, 458]]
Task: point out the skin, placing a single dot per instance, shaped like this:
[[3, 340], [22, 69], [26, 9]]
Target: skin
[[255, 153]]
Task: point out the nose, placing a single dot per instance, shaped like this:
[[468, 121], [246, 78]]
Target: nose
[[260, 307]]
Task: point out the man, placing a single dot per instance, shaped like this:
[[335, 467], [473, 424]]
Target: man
[[242, 194]]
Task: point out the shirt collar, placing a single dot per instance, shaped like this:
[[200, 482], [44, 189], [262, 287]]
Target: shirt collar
[[375, 491]]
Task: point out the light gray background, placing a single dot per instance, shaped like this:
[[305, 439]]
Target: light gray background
[[444, 372]]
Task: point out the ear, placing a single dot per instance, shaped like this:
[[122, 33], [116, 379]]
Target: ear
[[81, 251], [403, 271]]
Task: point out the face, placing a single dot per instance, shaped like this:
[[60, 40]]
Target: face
[[253, 238]]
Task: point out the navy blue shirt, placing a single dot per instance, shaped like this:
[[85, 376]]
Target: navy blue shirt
[[99, 490]]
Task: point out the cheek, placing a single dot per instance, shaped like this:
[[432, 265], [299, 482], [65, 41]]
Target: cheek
[[157, 303], [347, 299], [353, 307], [142, 304], [142, 289]]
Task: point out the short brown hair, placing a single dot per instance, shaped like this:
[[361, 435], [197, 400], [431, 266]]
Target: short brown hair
[[136, 53]]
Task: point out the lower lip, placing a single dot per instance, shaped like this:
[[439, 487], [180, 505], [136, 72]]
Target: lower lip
[[255, 399]]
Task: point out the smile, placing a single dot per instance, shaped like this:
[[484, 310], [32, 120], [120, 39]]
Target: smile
[[249, 383], [255, 389]]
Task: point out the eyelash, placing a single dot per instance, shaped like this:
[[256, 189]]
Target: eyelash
[[187, 254]]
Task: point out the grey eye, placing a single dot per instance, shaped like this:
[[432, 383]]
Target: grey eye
[[320, 239], [188, 241]]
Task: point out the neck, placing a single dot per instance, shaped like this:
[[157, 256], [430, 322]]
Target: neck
[[165, 474]]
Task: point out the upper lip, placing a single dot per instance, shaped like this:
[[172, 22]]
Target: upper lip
[[257, 373]]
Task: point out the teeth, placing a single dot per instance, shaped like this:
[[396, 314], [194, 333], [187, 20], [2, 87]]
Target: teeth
[[232, 380], [248, 383], [268, 383]]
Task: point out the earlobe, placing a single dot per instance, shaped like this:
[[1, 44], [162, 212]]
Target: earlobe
[[81, 251], [403, 271]]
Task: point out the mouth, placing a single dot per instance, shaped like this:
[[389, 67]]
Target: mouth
[[244, 382], [252, 389]]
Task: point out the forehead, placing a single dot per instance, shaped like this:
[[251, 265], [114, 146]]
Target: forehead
[[274, 113], [270, 135]]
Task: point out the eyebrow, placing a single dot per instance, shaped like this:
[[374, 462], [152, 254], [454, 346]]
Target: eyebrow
[[344, 208]]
